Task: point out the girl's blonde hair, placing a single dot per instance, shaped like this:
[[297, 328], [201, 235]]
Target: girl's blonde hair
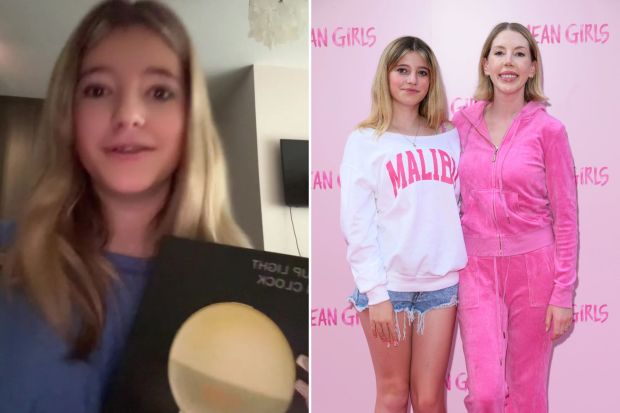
[[533, 86], [57, 257], [434, 105]]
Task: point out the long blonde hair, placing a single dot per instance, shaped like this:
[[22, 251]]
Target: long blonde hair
[[434, 105], [57, 258], [533, 86]]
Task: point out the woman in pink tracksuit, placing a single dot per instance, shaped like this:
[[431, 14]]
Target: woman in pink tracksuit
[[519, 217]]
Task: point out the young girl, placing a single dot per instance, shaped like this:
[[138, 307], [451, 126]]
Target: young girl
[[519, 220], [132, 155], [401, 223]]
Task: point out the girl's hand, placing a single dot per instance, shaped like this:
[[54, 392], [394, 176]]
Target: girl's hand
[[382, 322], [561, 318], [300, 385]]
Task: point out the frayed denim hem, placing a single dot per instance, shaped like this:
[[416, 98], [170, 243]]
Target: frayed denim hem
[[352, 301], [420, 315], [412, 314]]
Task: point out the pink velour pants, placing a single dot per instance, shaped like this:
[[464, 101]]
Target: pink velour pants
[[502, 306]]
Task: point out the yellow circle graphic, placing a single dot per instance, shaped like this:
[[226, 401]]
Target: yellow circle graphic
[[231, 358]]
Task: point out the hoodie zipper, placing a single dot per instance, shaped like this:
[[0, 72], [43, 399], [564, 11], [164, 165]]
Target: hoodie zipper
[[493, 177], [496, 150], [493, 161]]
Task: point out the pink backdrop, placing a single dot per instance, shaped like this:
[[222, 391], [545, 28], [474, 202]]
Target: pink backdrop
[[580, 45]]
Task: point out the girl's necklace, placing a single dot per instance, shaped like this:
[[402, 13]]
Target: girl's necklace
[[415, 137]]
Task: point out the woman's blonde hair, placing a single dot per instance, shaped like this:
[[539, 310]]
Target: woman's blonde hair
[[434, 105], [533, 86], [57, 257]]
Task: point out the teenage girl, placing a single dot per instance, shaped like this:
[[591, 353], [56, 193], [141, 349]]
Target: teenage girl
[[401, 222]]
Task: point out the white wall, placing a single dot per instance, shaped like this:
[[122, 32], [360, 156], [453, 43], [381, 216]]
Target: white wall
[[282, 112], [234, 114]]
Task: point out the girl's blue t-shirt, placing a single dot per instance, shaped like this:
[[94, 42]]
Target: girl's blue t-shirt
[[35, 374]]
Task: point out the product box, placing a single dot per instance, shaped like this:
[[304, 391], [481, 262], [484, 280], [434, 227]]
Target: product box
[[188, 276]]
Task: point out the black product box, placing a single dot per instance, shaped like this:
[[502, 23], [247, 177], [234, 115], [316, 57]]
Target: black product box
[[187, 276]]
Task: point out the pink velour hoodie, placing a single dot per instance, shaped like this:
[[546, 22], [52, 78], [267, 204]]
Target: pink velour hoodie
[[522, 195]]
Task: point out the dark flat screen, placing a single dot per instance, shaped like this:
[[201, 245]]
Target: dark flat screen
[[295, 171]]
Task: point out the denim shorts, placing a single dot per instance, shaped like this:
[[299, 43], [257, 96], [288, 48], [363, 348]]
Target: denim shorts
[[415, 304]]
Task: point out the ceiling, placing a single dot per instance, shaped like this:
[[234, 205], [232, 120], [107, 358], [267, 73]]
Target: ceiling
[[32, 33]]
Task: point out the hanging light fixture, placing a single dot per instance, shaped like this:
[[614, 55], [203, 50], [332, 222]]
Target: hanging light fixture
[[274, 22]]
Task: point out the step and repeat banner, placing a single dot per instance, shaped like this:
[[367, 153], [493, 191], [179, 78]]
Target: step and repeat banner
[[580, 46]]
